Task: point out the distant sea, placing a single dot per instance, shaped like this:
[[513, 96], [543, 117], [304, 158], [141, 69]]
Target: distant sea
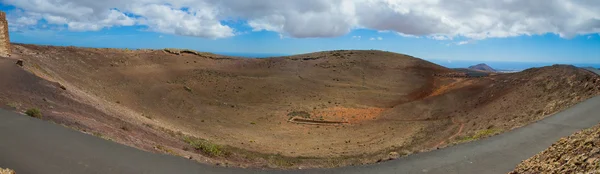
[[505, 66], [498, 65]]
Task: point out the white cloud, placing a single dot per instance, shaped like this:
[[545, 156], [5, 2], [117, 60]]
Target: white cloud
[[376, 38], [462, 42], [434, 19], [440, 37], [26, 20], [111, 18], [166, 19], [407, 35], [356, 37]]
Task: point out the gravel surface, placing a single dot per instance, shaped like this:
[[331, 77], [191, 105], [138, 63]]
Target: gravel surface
[[578, 153]]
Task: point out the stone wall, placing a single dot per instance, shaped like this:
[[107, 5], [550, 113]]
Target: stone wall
[[4, 38]]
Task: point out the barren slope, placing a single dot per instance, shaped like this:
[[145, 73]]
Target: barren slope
[[388, 102], [21, 90]]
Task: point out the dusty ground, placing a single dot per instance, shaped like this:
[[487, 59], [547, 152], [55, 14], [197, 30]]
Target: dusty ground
[[578, 153], [239, 108]]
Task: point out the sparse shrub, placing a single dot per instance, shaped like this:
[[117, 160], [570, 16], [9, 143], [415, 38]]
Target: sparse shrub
[[188, 89], [172, 51], [148, 125], [98, 134], [303, 114], [34, 112], [486, 133], [480, 134], [204, 146], [13, 105], [280, 161], [181, 51], [167, 150], [125, 128], [147, 116]]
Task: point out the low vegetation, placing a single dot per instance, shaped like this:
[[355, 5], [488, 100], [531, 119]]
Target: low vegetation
[[98, 134], [34, 112], [205, 146], [188, 89], [302, 114], [479, 134], [125, 128], [181, 51], [166, 150], [13, 105]]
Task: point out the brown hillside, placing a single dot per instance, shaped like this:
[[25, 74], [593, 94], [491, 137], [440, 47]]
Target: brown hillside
[[21, 90], [385, 102]]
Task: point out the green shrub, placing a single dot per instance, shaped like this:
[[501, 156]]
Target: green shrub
[[167, 150], [303, 114], [98, 134], [204, 146], [125, 128], [34, 112], [13, 105], [188, 89], [479, 134]]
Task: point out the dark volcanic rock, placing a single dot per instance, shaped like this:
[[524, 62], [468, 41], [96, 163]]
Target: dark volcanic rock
[[482, 67]]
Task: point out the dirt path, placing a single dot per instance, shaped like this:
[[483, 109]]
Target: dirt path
[[462, 125]]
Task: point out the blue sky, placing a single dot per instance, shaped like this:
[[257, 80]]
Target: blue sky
[[249, 34]]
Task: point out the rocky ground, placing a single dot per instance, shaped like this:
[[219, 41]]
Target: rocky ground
[[578, 153], [6, 171]]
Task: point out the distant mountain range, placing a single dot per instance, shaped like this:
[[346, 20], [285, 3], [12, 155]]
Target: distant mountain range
[[482, 67]]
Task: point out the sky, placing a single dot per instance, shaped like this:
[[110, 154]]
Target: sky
[[557, 31]]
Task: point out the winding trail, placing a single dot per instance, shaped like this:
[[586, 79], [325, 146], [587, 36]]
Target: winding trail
[[30, 145], [460, 128]]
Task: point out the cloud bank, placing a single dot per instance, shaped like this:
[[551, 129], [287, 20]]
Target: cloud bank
[[434, 19]]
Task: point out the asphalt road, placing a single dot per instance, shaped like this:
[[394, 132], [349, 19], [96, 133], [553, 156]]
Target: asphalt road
[[29, 145]]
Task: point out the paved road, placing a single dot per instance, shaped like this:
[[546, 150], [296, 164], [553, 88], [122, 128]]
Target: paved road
[[28, 145]]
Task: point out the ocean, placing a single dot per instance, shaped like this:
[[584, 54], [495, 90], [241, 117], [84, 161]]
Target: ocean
[[498, 65], [505, 66]]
